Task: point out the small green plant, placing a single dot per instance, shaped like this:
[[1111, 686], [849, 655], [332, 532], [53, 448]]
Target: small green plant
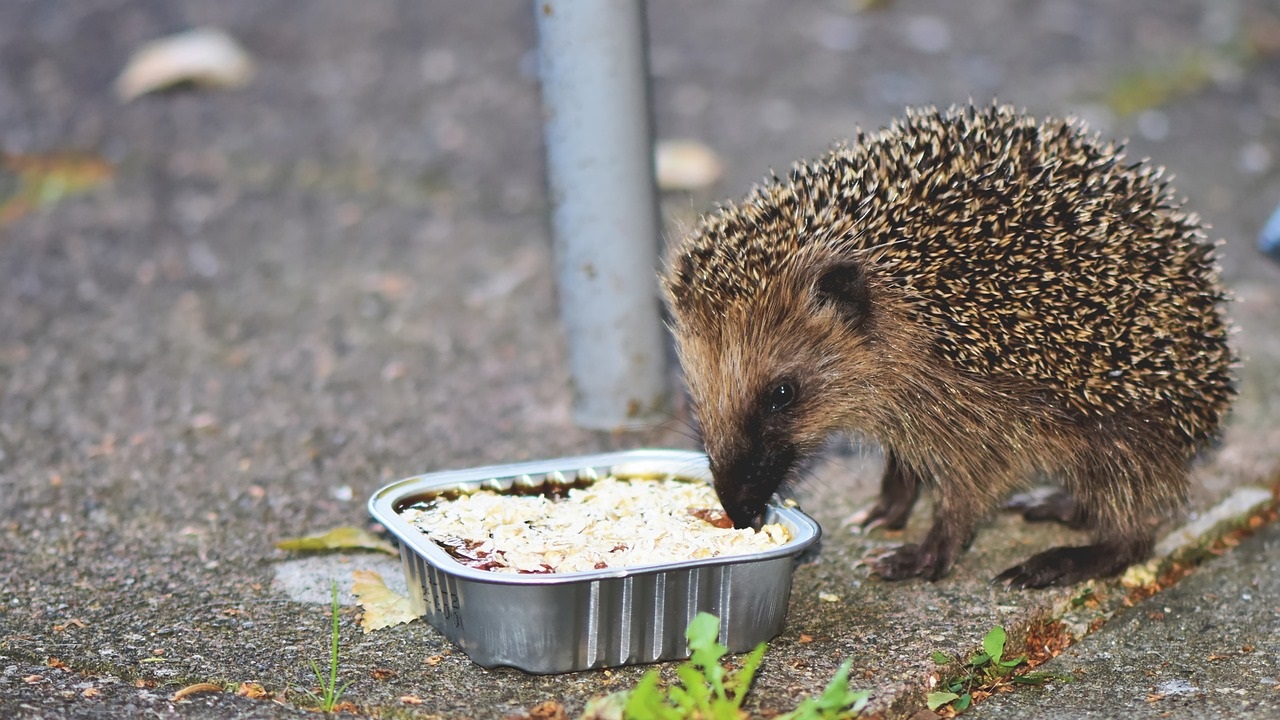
[[1083, 598], [327, 700], [708, 691], [836, 702], [984, 670]]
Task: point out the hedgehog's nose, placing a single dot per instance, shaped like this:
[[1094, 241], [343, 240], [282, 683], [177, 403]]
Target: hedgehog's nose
[[744, 515]]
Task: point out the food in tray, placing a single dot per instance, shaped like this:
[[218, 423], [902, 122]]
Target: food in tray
[[610, 523]]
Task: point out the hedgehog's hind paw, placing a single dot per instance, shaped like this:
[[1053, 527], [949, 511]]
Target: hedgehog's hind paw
[[1069, 565], [1049, 504]]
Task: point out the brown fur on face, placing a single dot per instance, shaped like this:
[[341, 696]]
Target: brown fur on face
[[991, 298]]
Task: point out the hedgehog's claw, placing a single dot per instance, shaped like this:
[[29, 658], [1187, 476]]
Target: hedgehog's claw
[[899, 563], [929, 560], [911, 560]]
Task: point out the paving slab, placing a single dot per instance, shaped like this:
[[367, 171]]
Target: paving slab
[[1206, 648], [292, 293]]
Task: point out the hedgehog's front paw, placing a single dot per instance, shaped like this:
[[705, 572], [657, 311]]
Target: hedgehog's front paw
[[898, 563], [888, 512], [898, 491], [910, 560]]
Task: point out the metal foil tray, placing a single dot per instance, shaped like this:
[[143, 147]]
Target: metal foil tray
[[603, 618]]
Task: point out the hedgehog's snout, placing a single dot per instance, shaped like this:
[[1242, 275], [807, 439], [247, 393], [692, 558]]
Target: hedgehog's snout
[[743, 515], [742, 497], [745, 483], [743, 507]]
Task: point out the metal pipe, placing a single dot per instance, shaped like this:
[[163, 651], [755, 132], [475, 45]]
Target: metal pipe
[[593, 67]]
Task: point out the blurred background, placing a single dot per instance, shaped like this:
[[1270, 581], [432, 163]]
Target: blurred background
[[340, 267], [228, 314]]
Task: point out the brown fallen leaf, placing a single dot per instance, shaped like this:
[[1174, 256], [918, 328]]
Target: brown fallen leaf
[[195, 689], [606, 707], [204, 56], [410, 699], [548, 710], [383, 607], [31, 182], [251, 690], [341, 538]]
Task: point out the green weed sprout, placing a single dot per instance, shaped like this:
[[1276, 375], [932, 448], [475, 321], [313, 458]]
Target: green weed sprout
[[836, 702], [707, 691], [983, 670], [327, 700]]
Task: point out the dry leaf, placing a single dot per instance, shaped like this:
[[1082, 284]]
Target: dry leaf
[[383, 607], [410, 699], [548, 710], [251, 690], [686, 165], [30, 182], [195, 690], [606, 707], [342, 538], [203, 56]]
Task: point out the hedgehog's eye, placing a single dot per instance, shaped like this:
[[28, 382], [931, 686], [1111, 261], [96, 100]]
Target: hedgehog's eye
[[782, 395]]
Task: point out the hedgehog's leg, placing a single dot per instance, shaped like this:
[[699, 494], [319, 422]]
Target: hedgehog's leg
[[955, 522], [1123, 488], [899, 489], [1070, 565]]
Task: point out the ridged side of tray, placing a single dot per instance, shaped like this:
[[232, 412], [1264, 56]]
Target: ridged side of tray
[[600, 623]]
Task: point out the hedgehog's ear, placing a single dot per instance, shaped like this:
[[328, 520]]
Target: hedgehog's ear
[[844, 287]]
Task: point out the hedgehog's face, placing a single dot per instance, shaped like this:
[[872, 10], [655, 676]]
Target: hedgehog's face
[[773, 377]]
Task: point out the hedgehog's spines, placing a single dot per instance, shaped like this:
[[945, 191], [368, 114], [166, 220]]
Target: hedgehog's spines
[[1015, 238]]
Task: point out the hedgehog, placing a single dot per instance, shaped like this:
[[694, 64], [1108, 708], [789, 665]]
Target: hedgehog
[[994, 300]]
